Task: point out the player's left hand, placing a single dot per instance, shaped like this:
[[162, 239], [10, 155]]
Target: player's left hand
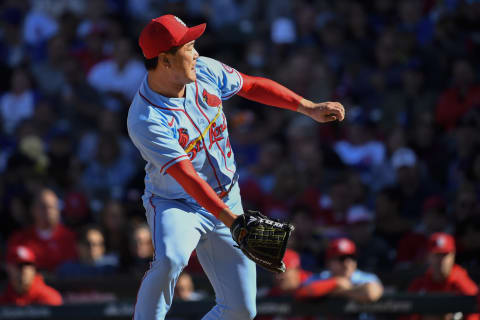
[[323, 111]]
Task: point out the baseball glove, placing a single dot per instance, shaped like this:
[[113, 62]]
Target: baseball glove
[[262, 239]]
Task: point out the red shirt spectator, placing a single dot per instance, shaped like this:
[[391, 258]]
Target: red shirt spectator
[[460, 98], [444, 275], [342, 277], [457, 281], [51, 242], [412, 247], [25, 286], [286, 283]]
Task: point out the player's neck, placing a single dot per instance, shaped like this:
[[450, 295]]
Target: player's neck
[[165, 87]]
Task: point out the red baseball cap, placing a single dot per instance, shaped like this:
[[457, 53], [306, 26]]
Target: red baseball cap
[[291, 259], [341, 247], [165, 32], [20, 254], [441, 242]]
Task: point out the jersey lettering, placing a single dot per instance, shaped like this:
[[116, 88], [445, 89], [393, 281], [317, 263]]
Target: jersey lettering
[[167, 130], [216, 133]]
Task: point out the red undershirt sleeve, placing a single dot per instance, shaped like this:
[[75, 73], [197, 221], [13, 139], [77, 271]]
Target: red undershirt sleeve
[[316, 288], [268, 92], [184, 173]]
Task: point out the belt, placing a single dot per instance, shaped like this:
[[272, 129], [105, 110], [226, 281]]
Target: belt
[[224, 193]]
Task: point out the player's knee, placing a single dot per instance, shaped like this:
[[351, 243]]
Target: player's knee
[[172, 263], [247, 311]]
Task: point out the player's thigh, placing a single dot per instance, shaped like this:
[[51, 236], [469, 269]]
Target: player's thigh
[[231, 273], [175, 228]]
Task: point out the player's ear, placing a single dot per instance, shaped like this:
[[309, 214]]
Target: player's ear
[[164, 60]]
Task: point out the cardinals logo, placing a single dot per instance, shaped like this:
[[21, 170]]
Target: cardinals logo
[[183, 137], [211, 99], [185, 143]]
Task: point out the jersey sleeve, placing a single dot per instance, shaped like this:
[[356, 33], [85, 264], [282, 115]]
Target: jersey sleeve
[[360, 278], [226, 78], [158, 143]]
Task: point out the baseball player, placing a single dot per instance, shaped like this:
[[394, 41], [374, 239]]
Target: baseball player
[[191, 196]]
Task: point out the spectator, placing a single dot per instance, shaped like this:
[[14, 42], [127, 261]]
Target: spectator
[[342, 279], [13, 51], [49, 73], [360, 150], [413, 245], [308, 239], [413, 190], [114, 221], [403, 106], [466, 204], [120, 75], [286, 191], [412, 21], [443, 274], [25, 285], [92, 260], [107, 123], [468, 242], [108, 174], [463, 95], [374, 254], [83, 101], [288, 282], [51, 242], [19, 103], [389, 224], [141, 249], [185, 289]]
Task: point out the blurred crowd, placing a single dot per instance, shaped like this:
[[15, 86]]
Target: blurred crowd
[[404, 164]]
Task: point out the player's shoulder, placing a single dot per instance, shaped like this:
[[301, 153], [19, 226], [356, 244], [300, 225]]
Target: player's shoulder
[[144, 111], [212, 68], [206, 63]]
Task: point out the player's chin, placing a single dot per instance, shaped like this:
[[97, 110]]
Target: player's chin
[[192, 76]]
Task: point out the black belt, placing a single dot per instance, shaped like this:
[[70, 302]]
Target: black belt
[[224, 193]]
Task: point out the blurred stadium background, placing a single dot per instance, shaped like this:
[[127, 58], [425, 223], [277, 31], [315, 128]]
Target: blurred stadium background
[[404, 164]]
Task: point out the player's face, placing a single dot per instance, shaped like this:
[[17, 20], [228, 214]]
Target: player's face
[[183, 63]]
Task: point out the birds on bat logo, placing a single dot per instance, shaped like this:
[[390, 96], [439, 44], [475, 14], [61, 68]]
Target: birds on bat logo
[[183, 137], [184, 141], [210, 99]]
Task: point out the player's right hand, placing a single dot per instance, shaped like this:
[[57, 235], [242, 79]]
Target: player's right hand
[[323, 111]]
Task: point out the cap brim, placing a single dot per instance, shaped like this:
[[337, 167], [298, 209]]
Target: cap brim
[[193, 33]]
